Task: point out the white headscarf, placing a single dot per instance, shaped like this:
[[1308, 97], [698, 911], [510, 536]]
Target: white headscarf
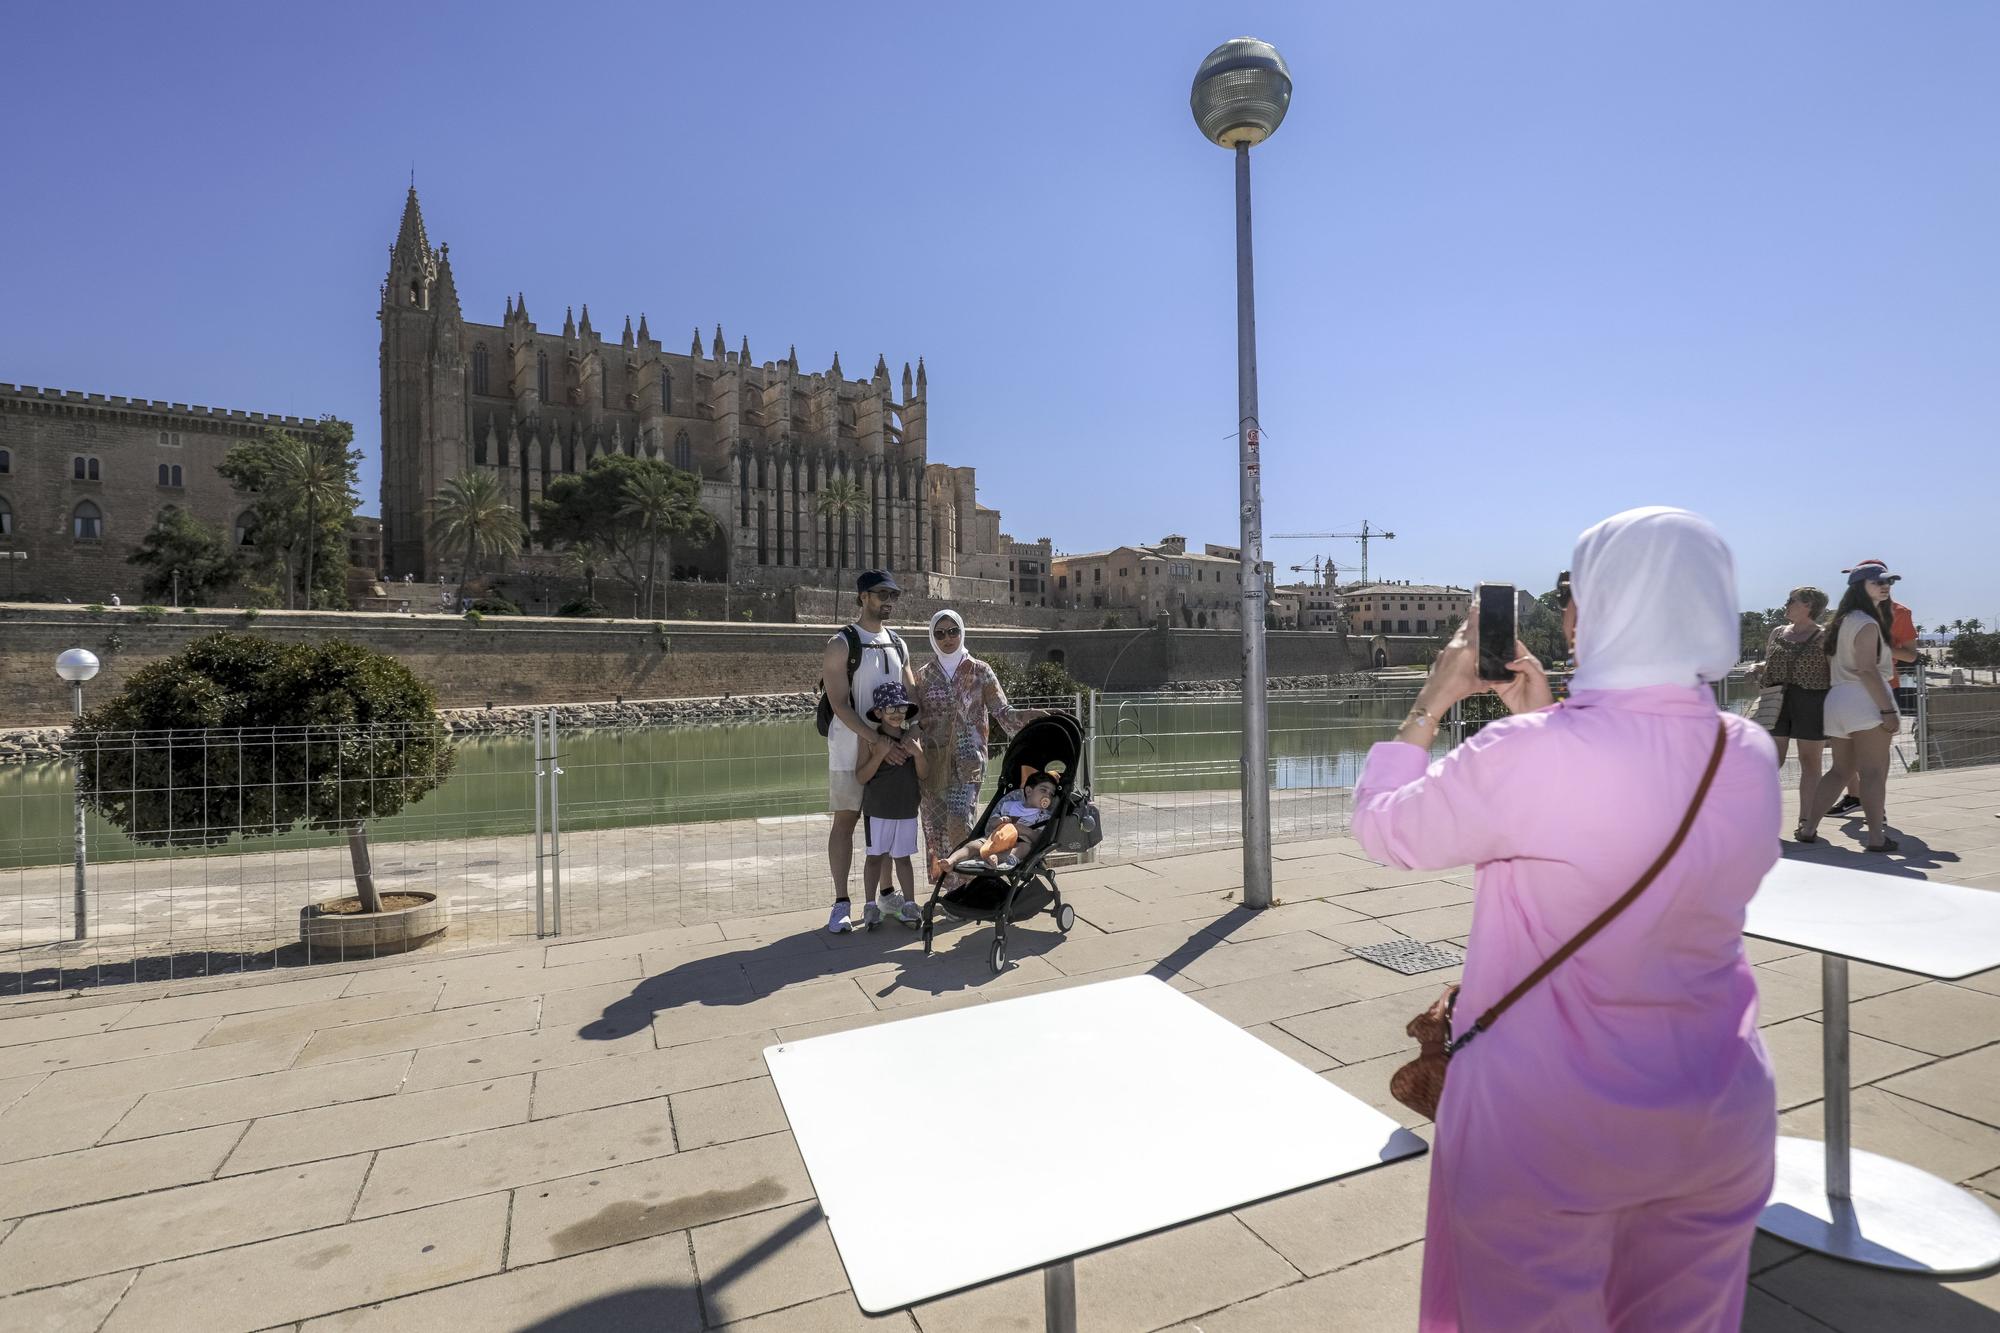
[[948, 661], [1655, 593]]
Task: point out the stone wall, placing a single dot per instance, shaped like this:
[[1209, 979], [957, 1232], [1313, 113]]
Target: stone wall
[[511, 660]]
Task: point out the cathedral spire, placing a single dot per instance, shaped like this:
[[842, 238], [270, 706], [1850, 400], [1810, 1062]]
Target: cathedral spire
[[907, 394], [510, 311], [569, 321], [792, 358], [521, 304], [920, 377], [744, 355], [626, 339], [695, 352], [718, 343], [583, 329], [411, 240], [644, 337], [834, 369], [881, 368]]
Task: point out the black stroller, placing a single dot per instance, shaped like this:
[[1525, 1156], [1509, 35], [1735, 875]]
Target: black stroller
[[1000, 894]]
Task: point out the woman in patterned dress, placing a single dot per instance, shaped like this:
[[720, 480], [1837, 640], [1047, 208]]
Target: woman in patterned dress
[[957, 696]]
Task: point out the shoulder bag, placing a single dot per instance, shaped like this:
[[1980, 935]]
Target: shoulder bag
[[1419, 1084]]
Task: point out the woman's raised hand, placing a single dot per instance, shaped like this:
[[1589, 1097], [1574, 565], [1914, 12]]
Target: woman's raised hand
[[1529, 690]]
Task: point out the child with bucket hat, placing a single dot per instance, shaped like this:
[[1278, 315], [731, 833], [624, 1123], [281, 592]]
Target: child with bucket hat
[[890, 794]]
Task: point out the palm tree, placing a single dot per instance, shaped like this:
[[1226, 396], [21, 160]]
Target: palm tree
[[305, 477], [842, 499], [662, 506], [584, 557], [470, 514]]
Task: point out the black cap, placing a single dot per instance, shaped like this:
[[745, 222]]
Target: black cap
[[876, 580]]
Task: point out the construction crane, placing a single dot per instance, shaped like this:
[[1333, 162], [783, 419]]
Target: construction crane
[[1364, 536], [1320, 580]]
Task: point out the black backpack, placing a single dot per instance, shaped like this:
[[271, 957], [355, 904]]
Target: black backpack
[[824, 717]]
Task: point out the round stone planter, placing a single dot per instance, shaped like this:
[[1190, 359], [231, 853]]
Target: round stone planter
[[345, 934]]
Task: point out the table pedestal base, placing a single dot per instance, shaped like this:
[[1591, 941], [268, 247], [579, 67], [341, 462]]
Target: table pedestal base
[[1059, 1297], [1897, 1216]]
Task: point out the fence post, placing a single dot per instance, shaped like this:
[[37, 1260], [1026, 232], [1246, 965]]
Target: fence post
[[1090, 759], [540, 930], [555, 823], [1923, 723]]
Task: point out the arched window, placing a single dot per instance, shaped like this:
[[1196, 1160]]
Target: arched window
[[87, 524], [76, 467], [666, 390], [246, 529], [93, 469], [479, 364], [177, 474], [163, 475], [683, 452], [6, 518], [542, 375], [6, 461]]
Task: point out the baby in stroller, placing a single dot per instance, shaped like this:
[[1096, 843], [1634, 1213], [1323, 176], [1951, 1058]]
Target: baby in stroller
[[1009, 830]]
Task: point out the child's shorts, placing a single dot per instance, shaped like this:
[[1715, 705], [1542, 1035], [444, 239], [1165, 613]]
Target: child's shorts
[[891, 837]]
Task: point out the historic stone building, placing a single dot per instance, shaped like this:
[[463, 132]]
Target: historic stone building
[[84, 475], [1137, 583], [766, 439], [1404, 608]]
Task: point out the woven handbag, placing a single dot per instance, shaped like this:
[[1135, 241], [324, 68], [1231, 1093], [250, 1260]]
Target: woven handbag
[[1770, 702], [1419, 1084]]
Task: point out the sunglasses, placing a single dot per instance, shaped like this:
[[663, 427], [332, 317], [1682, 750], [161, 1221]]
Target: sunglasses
[[1563, 594], [946, 631]]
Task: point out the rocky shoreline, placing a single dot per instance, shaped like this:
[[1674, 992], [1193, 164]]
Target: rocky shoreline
[[35, 744]]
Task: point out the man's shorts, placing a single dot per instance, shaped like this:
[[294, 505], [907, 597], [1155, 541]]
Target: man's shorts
[[842, 791], [891, 837]]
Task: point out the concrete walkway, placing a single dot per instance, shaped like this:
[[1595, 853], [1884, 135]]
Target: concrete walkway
[[582, 1135]]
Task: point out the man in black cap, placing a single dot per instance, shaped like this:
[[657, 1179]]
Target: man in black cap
[[865, 653]]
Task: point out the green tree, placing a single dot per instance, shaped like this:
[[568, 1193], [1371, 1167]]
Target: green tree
[[348, 735], [590, 507], [1754, 629], [471, 516], [199, 552], [843, 501], [304, 484], [663, 504]]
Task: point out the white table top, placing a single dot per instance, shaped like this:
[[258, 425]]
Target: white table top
[[1052, 1125], [1937, 930]]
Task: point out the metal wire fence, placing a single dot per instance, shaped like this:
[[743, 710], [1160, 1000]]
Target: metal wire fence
[[207, 852]]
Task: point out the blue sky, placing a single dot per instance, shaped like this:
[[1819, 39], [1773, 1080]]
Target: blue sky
[[1520, 266]]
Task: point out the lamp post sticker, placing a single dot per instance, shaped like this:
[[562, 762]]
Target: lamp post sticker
[[1250, 440]]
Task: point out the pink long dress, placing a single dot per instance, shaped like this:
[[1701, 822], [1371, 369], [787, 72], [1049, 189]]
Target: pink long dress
[[1603, 1152]]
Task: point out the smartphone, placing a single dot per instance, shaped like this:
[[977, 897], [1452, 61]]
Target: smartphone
[[1496, 630]]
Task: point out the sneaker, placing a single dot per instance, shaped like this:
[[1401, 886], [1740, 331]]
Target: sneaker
[[840, 922], [1845, 805], [892, 903], [911, 915], [871, 915]]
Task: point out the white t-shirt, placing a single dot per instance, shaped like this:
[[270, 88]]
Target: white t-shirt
[[879, 665]]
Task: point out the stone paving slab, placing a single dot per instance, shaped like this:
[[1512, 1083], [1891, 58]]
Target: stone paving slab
[[582, 1134]]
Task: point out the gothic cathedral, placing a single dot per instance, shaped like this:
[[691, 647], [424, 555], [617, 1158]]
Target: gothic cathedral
[[765, 440]]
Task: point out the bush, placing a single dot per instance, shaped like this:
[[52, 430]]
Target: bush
[[190, 610], [1037, 680], [95, 608], [473, 618], [583, 607], [363, 741], [151, 614], [496, 606]]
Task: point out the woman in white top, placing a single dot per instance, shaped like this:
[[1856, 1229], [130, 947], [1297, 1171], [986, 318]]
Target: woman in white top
[[1861, 716]]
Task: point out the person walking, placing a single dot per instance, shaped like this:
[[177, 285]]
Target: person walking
[[958, 696], [1902, 651], [1861, 715], [1604, 1150], [866, 653], [1796, 659]]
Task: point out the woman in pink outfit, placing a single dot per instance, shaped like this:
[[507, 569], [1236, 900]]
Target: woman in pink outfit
[[1604, 1150]]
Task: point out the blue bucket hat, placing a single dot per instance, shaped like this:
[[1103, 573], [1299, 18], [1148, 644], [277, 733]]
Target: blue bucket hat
[[891, 694]]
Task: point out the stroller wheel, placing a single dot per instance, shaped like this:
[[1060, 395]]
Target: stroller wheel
[[996, 957], [1065, 918]]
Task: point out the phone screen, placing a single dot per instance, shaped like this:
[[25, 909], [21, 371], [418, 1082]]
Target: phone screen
[[1496, 630]]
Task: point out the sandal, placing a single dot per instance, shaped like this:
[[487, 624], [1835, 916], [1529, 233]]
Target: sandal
[[1804, 834], [1886, 845]]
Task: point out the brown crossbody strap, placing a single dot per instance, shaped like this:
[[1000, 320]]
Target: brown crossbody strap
[[1610, 913]]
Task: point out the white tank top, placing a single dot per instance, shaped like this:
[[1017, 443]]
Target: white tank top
[[1840, 669]]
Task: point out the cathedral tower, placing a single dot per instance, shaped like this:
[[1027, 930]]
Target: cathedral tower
[[423, 390]]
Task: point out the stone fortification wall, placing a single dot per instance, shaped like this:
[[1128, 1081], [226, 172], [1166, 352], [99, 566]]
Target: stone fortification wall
[[511, 661]]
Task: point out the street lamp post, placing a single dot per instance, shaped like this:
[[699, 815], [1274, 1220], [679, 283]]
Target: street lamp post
[[1240, 96], [76, 666]]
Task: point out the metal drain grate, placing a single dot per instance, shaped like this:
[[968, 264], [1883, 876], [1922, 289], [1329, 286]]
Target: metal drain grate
[[1410, 956]]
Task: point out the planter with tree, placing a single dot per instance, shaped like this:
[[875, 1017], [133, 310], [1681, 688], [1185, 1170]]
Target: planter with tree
[[242, 737]]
